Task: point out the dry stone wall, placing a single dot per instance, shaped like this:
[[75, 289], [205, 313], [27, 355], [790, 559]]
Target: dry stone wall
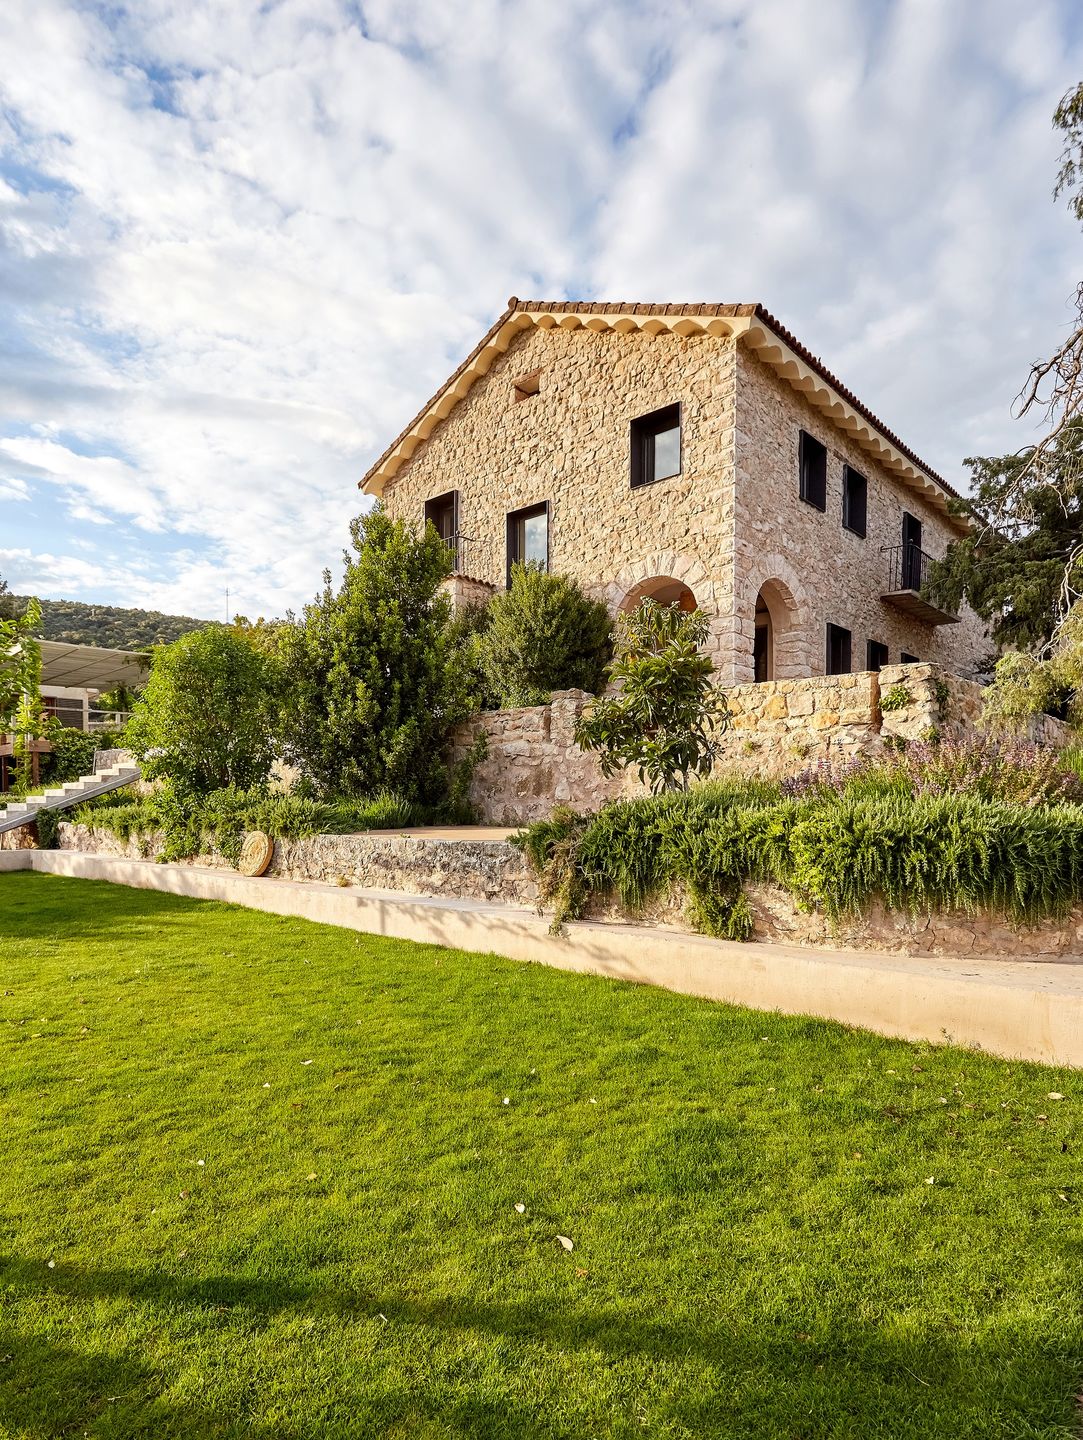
[[920, 702], [777, 728], [485, 870]]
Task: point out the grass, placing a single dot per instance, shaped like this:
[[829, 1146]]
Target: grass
[[259, 1180]]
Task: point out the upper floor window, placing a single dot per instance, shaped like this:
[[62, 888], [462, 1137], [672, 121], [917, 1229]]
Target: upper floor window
[[528, 537], [442, 511], [838, 650], [855, 501], [813, 464], [656, 445], [876, 656]]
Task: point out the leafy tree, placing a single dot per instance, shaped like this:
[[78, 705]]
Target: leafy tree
[[667, 713], [542, 635], [1014, 574], [1027, 685], [8, 605], [205, 718], [20, 663], [368, 669]]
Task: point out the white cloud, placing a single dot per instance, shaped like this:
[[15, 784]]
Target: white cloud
[[264, 235]]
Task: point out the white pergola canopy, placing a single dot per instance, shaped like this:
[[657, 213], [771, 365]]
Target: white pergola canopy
[[88, 667]]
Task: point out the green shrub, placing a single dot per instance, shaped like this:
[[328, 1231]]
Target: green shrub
[[193, 825], [834, 852], [897, 698], [205, 718], [667, 713], [542, 635], [370, 672]]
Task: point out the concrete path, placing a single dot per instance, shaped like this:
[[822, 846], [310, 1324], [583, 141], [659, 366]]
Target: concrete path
[[1030, 1010]]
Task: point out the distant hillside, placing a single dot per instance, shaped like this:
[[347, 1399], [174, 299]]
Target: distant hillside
[[109, 625]]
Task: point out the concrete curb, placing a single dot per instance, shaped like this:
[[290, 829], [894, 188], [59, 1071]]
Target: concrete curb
[[1031, 1010]]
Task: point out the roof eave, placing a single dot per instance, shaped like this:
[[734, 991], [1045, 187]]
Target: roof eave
[[765, 336]]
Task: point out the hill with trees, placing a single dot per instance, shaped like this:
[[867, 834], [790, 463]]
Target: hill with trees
[[109, 625]]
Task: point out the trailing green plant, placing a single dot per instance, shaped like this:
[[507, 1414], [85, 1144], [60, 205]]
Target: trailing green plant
[[667, 715], [204, 722], [543, 634], [47, 825], [835, 852]]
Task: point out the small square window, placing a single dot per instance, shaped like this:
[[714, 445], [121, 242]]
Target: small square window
[[813, 466], [855, 500], [838, 650], [527, 385], [528, 537], [876, 655], [656, 446]]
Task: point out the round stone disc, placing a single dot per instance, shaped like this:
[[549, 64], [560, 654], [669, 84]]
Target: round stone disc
[[256, 853]]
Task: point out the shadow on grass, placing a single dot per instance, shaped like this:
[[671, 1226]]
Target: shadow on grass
[[59, 907], [756, 1378]]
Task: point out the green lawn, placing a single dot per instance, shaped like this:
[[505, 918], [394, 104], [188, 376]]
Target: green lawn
[[258, 1179]]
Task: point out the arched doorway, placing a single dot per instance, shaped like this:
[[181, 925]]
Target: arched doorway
[[662, 588], [763, 647], [774, 649]]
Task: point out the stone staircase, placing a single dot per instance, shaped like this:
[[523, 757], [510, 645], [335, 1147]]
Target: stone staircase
[[88, 787]]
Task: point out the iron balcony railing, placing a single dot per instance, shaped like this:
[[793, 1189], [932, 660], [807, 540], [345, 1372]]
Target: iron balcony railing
[[458, 545], [908, 567]]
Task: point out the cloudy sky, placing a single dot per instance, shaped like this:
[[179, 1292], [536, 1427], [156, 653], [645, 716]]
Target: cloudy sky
[[241, 242]]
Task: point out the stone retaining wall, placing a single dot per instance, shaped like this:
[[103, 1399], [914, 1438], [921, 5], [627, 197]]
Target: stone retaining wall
[[419, 865], [946, 706], [492, 871], [777, 728]]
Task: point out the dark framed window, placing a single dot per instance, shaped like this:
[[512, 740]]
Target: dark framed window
[[838, 650], [442, 511], [876, 655], [855, 501], [905, 659], [812, 459], [528, 537], [912, 559], [656, 445]]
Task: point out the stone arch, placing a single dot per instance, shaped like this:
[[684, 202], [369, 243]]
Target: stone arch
[[665, 572], [663, 588], [774, 590], [671, 575]]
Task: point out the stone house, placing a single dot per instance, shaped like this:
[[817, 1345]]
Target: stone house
[[695, 453]]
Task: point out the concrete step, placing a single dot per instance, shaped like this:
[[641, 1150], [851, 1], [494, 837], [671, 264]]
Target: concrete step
[[74, 792]]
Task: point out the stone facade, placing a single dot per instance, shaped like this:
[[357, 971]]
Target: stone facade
[[813, 569], [568, 445], [729, 527]]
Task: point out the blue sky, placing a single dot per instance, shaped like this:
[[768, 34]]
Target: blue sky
[[240, 243]]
